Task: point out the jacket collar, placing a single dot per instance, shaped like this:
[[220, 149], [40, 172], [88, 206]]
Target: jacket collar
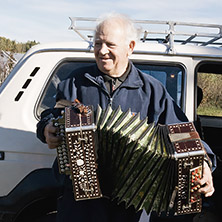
[[132, 81]]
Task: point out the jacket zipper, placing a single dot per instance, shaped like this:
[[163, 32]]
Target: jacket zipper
[[110, 100], [104, 90]]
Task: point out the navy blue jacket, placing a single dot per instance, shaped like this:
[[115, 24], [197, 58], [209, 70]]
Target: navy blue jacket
[[142, 94]]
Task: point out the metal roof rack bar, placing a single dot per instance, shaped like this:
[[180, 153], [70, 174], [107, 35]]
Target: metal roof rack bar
[[212, 41], [78, 29], [211, 32], [189, 39]]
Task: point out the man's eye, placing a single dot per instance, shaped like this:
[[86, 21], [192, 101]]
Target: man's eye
[[112, 45], [97, 44]]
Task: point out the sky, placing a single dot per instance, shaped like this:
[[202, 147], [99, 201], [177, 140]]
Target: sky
[[48, 20]]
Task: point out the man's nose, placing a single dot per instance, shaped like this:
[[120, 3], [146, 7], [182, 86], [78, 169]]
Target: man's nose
[[104, 49]]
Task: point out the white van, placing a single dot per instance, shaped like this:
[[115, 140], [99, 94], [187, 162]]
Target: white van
[[182, 56]]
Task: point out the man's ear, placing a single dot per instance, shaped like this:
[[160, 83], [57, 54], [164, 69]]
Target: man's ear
[[131, 47]]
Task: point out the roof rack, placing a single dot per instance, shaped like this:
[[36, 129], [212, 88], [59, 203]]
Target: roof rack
[[168, 32]]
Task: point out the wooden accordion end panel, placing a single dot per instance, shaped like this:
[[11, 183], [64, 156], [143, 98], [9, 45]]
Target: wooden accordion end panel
[[150, 166], [76, 155], [189, 155]]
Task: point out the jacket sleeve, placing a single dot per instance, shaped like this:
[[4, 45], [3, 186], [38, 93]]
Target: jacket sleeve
[[66, 90], [45, 118], [211, 155]]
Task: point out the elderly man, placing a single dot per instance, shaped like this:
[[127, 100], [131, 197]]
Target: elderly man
[[116, 81]]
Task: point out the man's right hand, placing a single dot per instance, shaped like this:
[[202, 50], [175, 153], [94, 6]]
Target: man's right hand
[[51, 138]]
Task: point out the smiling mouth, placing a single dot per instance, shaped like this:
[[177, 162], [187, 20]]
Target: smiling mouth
[[102, 58], [105, 60]]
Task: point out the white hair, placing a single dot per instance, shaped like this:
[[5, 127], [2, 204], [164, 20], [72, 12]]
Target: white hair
[[131, 31]]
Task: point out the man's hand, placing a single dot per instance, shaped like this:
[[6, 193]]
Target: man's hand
[[51, 138], [206, 182]]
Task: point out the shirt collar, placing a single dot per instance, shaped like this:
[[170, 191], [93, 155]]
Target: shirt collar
[[121, 78]]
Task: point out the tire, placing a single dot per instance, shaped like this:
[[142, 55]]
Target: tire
[[40, 211]]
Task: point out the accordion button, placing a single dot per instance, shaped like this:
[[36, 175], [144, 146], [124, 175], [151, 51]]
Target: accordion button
[[80, 162]]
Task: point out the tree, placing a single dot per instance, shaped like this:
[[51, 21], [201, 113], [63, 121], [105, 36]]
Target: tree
[[7, 49], [16, 47], [211, 85]]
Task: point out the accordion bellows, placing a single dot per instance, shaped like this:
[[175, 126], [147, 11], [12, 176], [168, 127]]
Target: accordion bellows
[[148, 166]]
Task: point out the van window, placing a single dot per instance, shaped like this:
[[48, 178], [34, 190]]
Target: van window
[[211, 95], [62, 72], [170, 76]]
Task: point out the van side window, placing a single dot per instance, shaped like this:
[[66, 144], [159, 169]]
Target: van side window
[[211, 86], [62, 72], [170, 76]]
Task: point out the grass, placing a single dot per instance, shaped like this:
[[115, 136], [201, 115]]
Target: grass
[[209, 111]]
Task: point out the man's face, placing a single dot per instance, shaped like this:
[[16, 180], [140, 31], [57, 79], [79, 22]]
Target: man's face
[[111, 49]]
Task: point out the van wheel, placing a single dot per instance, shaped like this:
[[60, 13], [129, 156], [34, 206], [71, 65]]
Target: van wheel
[[43, 210]]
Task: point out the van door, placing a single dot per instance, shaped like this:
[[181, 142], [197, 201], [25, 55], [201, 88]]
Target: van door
[[209, 104], [209, 117]]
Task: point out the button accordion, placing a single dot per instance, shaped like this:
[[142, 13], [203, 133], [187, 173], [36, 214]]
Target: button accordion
[[149, 166]]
